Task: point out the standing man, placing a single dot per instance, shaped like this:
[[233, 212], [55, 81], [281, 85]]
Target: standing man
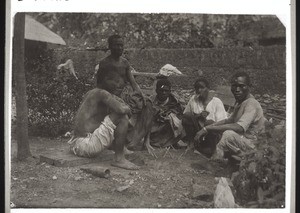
[[240, 130], [114, 72], [116, 68]]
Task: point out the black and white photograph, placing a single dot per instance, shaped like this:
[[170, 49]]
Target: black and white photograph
[[149, 110]]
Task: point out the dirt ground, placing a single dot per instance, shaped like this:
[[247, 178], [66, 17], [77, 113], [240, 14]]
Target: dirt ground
[[165, 182]]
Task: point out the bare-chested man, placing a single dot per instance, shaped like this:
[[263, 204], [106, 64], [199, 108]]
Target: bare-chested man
[[116, 68], [102, 122], [114, 72]]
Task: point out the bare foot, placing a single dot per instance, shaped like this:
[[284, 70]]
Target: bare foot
[[150, 148], [125, 164], [127, 151]]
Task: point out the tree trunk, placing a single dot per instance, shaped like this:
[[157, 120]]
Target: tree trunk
[[20, 83]]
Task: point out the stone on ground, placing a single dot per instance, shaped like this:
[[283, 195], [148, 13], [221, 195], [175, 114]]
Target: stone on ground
[[67, 159]]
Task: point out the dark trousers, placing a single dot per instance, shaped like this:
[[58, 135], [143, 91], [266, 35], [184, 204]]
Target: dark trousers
[[207, 144]]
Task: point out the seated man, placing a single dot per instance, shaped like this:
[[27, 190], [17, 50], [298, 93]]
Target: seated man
[[166, 127], [201, 110], [101, 122], [240, 130]]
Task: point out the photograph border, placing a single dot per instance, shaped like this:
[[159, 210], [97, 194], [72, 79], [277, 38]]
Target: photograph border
[[282, 8]]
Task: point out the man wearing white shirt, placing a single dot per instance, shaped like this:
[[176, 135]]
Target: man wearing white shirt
[[201, 110]]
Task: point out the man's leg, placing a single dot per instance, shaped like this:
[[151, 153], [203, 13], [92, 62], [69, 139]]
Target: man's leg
[[190, 126], [232, 142], [143, 125], [207, 144], [120, 134]]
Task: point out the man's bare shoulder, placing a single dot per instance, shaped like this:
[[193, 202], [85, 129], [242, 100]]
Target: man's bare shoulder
[[104, 60], [124, 61], [252, 102]]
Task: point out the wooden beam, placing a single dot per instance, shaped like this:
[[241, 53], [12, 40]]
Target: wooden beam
[[20, 82], [147, 74]]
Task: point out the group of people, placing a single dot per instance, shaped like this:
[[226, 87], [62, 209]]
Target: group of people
[[117, 115]]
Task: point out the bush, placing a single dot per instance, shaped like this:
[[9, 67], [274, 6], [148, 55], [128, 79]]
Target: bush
[[260, 181], [54, 105], [52, 102]]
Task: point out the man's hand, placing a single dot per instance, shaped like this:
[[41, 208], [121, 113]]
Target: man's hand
[[163, 117], [204, 114], [127, 110], [143, 97], [200, 133]]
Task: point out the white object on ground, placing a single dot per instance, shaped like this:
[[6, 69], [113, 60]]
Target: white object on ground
[[223, 197], [168, 70]]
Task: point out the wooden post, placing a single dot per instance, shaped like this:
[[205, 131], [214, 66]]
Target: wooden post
[[20, 83]]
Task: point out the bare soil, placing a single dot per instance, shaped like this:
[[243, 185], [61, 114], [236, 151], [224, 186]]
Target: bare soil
[[165, 182]]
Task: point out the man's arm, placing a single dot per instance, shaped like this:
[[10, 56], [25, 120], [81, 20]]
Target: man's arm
[[239, 127], [134, 85], [131, 79], [223, 127], [222, 122]]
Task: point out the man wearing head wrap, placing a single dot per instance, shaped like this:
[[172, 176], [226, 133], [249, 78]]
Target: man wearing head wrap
[[166, 128]]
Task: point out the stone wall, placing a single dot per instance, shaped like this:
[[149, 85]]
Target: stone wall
[[265, 65]]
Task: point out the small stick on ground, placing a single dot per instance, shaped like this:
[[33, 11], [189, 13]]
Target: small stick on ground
[[170, 155], [181, 154], [155, 155]]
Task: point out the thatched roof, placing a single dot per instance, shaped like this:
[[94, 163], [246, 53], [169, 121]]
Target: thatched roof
[[36, 31]]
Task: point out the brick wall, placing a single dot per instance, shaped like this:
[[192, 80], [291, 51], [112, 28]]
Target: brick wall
[[265, 65]]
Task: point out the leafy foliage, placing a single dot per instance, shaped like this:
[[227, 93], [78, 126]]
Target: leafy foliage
[[52, 102], [260, 181], [149, 30]]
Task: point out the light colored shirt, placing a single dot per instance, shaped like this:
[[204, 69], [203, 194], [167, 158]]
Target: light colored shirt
[[249, 115], [215, 108]]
